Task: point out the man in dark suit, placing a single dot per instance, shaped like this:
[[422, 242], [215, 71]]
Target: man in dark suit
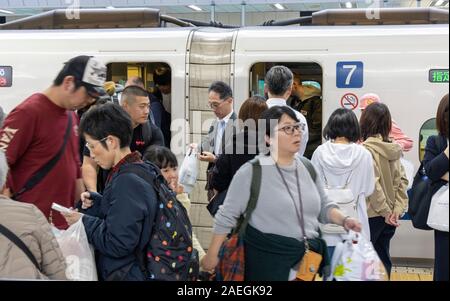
[[220, 100]]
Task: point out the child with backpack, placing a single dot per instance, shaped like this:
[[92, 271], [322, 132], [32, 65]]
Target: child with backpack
[[166, 161]]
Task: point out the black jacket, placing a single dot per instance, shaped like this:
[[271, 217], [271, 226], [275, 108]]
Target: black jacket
[[120, 223], [435, 161], [243, 148]]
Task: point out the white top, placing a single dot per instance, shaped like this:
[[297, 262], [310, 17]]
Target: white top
[[337, 162], [271, 102]]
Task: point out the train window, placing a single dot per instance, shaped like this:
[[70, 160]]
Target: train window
[[306, 95], [428, 129], [156, 79]]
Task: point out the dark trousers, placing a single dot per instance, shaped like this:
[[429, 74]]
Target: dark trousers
[[381, 234], [441, 254]]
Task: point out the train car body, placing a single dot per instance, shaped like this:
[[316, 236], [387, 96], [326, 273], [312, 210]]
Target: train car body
[[401, 63]]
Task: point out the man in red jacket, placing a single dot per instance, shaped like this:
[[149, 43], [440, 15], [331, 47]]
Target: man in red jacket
[[34, 133]]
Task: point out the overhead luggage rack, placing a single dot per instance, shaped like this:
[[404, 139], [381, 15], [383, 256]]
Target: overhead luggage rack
[[95, 18]]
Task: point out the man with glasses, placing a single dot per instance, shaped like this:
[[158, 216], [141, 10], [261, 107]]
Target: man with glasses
[[220, 100], [43, 129], [278, 84], [136, 103]]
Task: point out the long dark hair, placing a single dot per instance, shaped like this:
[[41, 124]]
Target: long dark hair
[[376, 120]]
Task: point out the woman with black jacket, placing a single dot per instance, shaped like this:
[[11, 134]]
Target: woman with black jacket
[[437, 169]]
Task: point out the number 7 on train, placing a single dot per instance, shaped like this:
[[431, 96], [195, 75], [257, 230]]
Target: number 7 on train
[[349, 74]]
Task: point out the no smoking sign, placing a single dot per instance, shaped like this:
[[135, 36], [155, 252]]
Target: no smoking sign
[[349, 101]]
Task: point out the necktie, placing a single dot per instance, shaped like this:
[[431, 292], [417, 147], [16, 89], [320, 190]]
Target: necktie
[[219, 137]]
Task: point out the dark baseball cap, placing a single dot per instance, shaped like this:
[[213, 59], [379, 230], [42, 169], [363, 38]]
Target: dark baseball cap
[[90, 72]]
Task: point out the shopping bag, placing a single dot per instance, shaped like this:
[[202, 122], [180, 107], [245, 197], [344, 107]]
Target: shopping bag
[[355, 259], [79, 256], [189, 170], [438, 214]]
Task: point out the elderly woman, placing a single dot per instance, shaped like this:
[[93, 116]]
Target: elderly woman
[[39, 256], [289, 208]]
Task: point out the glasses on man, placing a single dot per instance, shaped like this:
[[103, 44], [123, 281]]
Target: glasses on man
[[290, 129], [91, 146], [215, 105]]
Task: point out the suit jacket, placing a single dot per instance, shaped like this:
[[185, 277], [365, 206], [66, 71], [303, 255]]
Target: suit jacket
[[208, 144]]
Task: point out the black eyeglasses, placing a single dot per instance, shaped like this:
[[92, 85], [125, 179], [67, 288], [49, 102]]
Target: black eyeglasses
[[290, 129]]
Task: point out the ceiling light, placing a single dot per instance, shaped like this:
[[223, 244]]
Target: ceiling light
[[195, 7], [110, 7], [2, 11], [279, 6], [439, 3], [348, 5]]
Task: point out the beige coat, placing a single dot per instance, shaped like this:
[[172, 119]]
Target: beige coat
[[30, 225], [391, 183]]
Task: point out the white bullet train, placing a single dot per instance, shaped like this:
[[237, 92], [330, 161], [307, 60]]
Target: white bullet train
[[402, 55]]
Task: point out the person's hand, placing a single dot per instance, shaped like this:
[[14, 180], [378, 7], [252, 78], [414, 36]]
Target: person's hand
[[176, 187], [7, 192], [393, 219], [72, 217], [209, 262], [207, 156], [85, 200], [352, 224]]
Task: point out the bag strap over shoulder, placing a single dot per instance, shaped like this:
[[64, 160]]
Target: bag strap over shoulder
[[309, 167], [254, 195], [20, 244], [44, 170]]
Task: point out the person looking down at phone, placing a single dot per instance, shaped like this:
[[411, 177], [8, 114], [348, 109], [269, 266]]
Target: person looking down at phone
[[119, 223]]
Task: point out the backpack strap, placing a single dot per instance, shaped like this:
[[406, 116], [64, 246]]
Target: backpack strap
[[309, 167], [20, 244], [254, 195]]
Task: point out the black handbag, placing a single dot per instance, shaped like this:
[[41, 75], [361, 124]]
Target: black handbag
[[420, 200], [420, 196], [216, 201]]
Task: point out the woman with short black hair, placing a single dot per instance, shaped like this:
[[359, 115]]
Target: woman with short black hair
[[290, 204]]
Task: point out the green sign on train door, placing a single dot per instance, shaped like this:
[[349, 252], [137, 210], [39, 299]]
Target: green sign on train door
[[438, 76]]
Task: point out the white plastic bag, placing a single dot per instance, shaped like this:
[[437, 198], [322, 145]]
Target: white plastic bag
[[78, 254], [355, 259], [189, 170], [438, 214]]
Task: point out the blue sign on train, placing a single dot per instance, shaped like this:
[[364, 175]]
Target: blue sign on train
[[349, 74]]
